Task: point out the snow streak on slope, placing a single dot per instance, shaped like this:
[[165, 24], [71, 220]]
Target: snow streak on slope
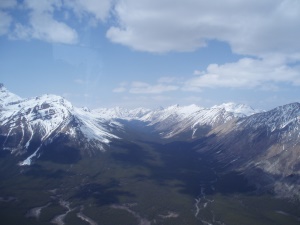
[[37, 117], [46, 113], [93, 127], [265, 146], [120, 113], [176, 120], [276, 119], [36, 122]]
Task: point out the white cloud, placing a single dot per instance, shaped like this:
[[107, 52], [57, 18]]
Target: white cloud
[[42, 24], [99, 9], [44, 27], [246, 73], [38, 6], [48, 29], [250, 27], [5, 18], [256, 27]]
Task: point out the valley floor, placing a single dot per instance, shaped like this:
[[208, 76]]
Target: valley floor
[[136, 183]]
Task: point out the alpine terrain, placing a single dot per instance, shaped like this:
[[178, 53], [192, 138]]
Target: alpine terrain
[[228, 164]]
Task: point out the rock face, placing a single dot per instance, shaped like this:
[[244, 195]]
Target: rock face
[[263, 145], [180, 122], [28, 125], [191, 122]]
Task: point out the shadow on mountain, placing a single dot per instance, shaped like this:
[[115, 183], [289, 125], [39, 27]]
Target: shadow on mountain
[[193, 170], [4, 153], [38, 171], [104, 194], [131, 154], [198, 171], [61, 152]]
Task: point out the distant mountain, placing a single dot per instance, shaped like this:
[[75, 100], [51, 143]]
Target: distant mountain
[[263, 145], [120, 113], [28, 125], [7, 97], [193, 121], [183, 122]]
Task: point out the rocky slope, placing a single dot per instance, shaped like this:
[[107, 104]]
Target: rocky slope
[[179, 122], [27, 125], [265, 146], [193, 121]]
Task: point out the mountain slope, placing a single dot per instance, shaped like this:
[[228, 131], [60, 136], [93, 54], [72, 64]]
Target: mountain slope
[[266, 146], [30, 124], [192, 121], [178, 122], [7, 97]]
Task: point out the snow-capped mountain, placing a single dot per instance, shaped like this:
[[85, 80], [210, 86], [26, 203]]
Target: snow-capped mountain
[[27, 125], [264, 144], [7, 97], [189, 121], [120, 113], [239, 110], [192, 120], [260, 144]]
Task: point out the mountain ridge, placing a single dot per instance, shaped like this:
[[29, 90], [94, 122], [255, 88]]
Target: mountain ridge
[[242, 138]]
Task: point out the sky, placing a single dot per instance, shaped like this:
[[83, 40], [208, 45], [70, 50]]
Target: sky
[[152, 53]]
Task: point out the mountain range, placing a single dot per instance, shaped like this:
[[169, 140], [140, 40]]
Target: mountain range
[[263, 145]]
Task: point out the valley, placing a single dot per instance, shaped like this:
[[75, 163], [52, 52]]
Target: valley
[[224, 165], [138, 183]]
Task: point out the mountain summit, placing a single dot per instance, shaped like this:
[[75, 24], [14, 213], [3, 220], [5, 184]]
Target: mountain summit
[[7, 97], [29, 125]]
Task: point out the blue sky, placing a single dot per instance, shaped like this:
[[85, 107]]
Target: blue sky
[[150, 53]]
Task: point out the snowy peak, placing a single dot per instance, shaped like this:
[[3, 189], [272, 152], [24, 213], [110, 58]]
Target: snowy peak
[[237, 109], [6, 96], [177, 120], [277, 118], [29, 125], [171, 112], [120, 113], [183, 110], [291, 109], [46, 109], [92, 127]]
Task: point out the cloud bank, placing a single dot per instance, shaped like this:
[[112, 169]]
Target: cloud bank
[[265, 34], [50, 20], [250, 27]]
